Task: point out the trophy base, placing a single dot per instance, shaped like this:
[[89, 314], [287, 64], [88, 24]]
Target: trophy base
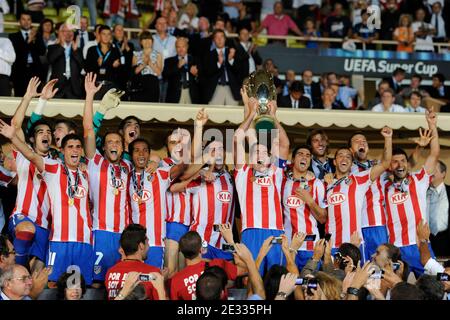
[[264, 123]]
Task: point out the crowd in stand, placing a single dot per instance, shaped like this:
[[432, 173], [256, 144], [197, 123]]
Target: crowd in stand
[[288, 223], [192, 59]]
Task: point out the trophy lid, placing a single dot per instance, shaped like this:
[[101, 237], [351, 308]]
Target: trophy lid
[[260, 85]]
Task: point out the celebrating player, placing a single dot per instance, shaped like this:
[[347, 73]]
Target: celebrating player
[[406, 198], [346, 193]]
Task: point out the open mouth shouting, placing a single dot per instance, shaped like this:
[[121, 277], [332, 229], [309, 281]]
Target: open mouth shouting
[[141, 161], [132, 134], [400, 172]]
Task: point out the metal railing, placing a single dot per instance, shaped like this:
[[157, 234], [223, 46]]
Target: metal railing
[[135, 31]]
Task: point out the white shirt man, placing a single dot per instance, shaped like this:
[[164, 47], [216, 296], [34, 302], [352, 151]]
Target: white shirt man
[[393, 108], [437, 205], [423, 44]]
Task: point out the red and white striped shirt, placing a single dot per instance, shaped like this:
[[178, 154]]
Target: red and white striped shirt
[[148, 207], [6, 177], [72, 222], [212, 204], [260, 198], [297, 215], [406, 204], [32, 198], [179, 203], [108, 191], [373, 211], [345, 201]]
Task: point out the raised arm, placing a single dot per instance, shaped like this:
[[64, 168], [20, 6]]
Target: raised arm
[[256, 282], [240, 135], [88, 127], [378, 169], [10, 132], [433, 157]]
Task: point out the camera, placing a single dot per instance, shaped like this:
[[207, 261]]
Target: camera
[[310, 237], [216, 228], [146, 277], [277, 240], [441, 276], [310, 283], [228, 248]]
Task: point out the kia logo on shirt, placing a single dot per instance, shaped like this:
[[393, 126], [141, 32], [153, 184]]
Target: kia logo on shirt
[[336, 198], [264, 181], [294, 202], [146, 195], [80, 193], [224, 196], [399, 197]]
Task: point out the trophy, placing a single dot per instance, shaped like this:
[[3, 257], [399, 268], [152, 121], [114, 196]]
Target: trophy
[[260, 86]]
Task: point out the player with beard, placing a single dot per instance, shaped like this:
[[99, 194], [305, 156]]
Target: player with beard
[[29, 223], [406, 198], [108, 180], [346, 193], [373, 223], [68, 187], [303, 202], [258, 186], [320, 163]]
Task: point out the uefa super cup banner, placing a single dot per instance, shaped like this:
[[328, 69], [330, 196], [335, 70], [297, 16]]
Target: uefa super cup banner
[[369, 63]]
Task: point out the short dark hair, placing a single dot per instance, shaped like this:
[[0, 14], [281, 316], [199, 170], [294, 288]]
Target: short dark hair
[[383, 82], [342, 148], [104, 27], [399, 151], [315, 132], [302, 146], [98, 26], [355, 133], [134, 142], [296, 86], [431, 287], [124, 121], [439, 76], [190, 244], [393, 252], [348, 249], [216, 31], [442, 166], [131, 237], [399, 71], [415, 93], [209, 286], [40, 122], [406, 291], [418, 76], [25, 12], [71, 125], [272, 280], [109, 133], [138, 293], [70, 136], [61, 285], [143, 36]]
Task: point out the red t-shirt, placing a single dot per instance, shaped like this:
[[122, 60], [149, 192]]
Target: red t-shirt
[[182, 284], [116, 276]]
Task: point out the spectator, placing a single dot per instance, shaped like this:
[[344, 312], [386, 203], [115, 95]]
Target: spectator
[[366, 34], [251, 59], [406, 291], [94, 42], [84, 34], [181, 73], [147, 64], [199, 43], [387, 103], [337, 25], [7, 58], [311, 89], [310, 31], [266, 8], [440, 25], [28, 48], [126, 49], [46, 31], [245, 19], [357, 7], [346, 93], [134, 249], [92, 9], [231, 8], [295, 99], [183, 283], [432, 288], [404, 34], [4, 9], [211, 285], [414, 86], [389, 20], [272, 281], [329, 101], [278, 24], [438, 198], [189, 19], [66, 63], [423, 32], [36, 9], [290, 78], [104, 61], [306, 9], [415, 103], [15, 283], [382, 86], [70, 287], [172, 26], [395, 82], [221, 74], [7, 253], [438, 89], [328, 288]]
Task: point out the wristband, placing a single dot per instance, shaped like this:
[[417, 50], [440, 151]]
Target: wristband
[[353, 291], [282, 295], [40, 106]]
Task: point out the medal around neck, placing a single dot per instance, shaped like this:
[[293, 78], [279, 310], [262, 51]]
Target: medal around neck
[[260, 85]]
